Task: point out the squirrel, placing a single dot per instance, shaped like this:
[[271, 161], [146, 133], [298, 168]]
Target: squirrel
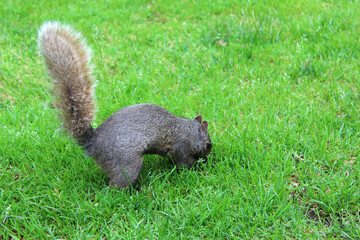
[[119, 143]]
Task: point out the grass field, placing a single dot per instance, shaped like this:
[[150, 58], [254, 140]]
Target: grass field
[[278, 83]]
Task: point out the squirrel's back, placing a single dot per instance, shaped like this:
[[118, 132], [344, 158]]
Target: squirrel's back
[[139, 125], [67, 59]]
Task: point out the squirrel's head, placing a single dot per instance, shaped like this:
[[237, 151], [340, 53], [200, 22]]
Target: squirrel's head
[[200, 148], [194, 145], [204, 141]]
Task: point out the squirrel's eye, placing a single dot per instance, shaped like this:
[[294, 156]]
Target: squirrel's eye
[[208, 146]]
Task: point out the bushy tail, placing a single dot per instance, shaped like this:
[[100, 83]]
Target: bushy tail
[[67, 58]]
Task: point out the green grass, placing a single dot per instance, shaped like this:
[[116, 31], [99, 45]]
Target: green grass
[[278, 83]]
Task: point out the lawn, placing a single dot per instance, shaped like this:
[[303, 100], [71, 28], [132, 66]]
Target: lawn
[[278, 82]]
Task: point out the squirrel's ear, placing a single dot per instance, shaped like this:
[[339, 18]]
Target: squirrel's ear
[[204, 126], [199, 118]]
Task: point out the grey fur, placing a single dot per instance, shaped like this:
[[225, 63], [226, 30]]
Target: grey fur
[[119, 143]]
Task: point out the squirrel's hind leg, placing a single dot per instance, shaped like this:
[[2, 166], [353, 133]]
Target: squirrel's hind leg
[[125, 176]]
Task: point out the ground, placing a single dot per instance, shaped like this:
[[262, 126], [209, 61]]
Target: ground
[[278, 83]]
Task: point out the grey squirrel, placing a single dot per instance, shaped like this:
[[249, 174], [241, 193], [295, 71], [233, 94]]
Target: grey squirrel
[[118, 144]]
